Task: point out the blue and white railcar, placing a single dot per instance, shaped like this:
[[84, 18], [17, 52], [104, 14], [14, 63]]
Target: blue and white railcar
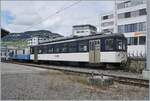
[[22, 54], [96, 49]]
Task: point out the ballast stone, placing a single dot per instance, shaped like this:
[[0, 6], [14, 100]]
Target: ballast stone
[[101, 80]]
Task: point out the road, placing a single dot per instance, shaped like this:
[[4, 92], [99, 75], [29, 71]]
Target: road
[[20, 82]]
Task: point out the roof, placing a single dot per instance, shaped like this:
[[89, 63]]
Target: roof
[[107, 13], [84, 25], [4, 32], [83, 38]]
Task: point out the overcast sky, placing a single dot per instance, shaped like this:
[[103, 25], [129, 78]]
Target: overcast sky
[[20, 16]]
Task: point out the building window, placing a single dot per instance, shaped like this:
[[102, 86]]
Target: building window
[[142, 26], [127, 4], [132, 40], [129, 40], [78, 32], [142, 40], [121, 29], [135, 40], [130, 3], [142, 12], [120, 5], [127, 28], [109, 44], [107, 24], [137, 2], [134, 13], [121, 15], [127, 14], [135, 27], [110, 16], [105, 17]]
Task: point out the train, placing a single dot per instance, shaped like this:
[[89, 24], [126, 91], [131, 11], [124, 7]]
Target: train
[[92, 49]]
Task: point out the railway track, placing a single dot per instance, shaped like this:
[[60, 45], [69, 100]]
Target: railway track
[[118, 78]]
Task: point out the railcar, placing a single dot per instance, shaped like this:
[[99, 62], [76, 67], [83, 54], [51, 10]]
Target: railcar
[[94, 49], [20, 54]]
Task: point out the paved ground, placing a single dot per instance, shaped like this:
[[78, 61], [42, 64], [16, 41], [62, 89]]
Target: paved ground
[[27, 83]]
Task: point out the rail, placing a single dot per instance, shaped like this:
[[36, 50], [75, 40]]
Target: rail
[[118, 78]]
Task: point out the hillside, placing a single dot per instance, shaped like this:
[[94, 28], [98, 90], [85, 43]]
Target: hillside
[[29, 34]]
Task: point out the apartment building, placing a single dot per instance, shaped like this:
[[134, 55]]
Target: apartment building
[[36, 40], [107, 22], [130, 19], [84, 30]]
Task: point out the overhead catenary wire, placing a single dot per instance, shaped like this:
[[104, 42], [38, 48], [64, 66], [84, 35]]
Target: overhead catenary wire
[[57, 12]]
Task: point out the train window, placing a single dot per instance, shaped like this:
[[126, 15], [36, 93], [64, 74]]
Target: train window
[[124, 44], [40, 50], [50, 49], [91, 47], [31, 50], [72, 47], [109, 44], [15, 51], [119, 44], [57, 50], [83, 47], [44, 49], [23, 51], [64, 48]]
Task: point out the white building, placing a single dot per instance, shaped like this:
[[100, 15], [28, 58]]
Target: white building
[[130, 19], [107, 22], [36, 40], [84, 30]]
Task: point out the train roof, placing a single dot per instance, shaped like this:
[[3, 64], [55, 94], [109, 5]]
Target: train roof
[[79, 38]]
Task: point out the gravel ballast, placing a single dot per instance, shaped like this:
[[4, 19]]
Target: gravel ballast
[[55, 85]]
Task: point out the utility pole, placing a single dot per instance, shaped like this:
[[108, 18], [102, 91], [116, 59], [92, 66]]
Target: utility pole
[[146, 72]]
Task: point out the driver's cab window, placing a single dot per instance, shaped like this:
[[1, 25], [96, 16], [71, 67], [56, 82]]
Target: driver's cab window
[[119, 44], [109, 43]]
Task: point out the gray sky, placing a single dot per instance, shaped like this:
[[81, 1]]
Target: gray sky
[[19, 16]]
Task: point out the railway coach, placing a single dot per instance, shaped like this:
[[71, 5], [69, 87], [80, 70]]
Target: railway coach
[[93, 49]]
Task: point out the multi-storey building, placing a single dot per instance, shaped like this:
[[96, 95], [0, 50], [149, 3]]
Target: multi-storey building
[[83, 30], [36, 40], [130, 19], [107, 22]]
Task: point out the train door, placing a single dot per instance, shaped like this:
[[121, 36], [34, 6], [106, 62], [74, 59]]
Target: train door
[[94, 51], [35, 54]]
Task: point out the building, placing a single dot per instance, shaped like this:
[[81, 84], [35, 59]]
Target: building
[[4, 32], [130, 19], [107, 22], [36, 40], [84, 30]]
